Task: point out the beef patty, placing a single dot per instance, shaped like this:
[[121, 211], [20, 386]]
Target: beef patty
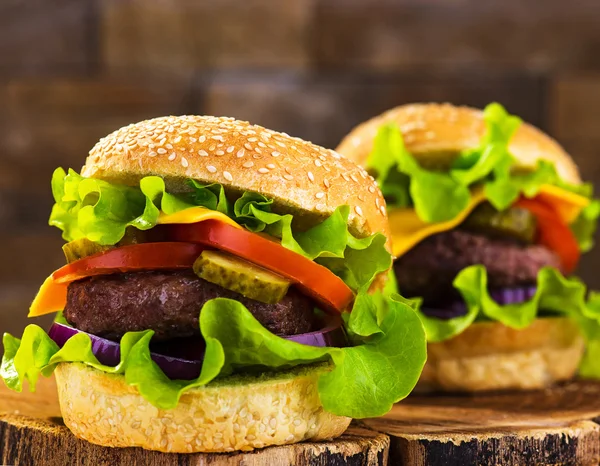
[[429, 269], [169, 303]]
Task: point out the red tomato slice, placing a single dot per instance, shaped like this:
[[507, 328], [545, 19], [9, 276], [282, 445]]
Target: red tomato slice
[[553, 232], [313, 279], [145, 256]]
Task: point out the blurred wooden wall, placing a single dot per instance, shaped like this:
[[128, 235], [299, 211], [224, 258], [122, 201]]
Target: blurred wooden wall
[[73, 70]]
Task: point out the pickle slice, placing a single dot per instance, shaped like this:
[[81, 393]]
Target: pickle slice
[[241, 276], [515, 222], [81, 248]]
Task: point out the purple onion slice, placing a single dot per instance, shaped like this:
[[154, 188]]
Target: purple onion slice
[[502, 296], [182, 359]]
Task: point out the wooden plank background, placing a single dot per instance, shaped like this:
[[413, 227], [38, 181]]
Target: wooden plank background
[[73, 70]]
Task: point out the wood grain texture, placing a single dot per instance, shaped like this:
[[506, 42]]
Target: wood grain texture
[[435, 34], [32, 432], [181, 35], [553, 426]]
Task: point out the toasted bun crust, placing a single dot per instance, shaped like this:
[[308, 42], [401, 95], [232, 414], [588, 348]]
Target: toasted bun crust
[[490, 356], [302, 178], [431, 130], [225, 416]]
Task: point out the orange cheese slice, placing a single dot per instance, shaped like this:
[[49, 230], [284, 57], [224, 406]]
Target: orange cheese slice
[[408, 229]]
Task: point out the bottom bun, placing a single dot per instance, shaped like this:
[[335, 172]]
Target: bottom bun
[[234, 413], [491, 356]]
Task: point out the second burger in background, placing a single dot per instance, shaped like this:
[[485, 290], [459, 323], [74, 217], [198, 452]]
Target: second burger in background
[[489, 217]]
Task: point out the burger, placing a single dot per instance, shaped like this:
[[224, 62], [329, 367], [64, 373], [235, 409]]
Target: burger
[[488, 217], [205, 305]]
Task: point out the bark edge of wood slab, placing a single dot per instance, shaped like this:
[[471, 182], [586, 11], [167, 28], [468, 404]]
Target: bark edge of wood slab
[[545, 427], [29, 441]]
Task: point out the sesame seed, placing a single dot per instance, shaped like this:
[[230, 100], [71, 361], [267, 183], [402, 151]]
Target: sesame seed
[[230, 149], [161, 151], [288, 177], [326, 183], [211, 168], [358, 210], [217, 138], [201, 138], [271, 166], [263, 170], [345, 176], [252, 139], [212, 148], [275, 153], [203, 153], [382, 210], [248, 146], [240, 153], [249, 164], [289, 438], [152, 154], [320, 195], [227, 176], [162, 141], [320, 207], [184, 162], [280, 144], [262, 144], [169, 146], [177, 139], [172, 156], [371, 189], [256, 149], [220, 152], [354, 178], [311, 177], [318, 162], [361, 197]]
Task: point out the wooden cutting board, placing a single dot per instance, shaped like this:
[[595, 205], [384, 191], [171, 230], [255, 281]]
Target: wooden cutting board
[[32, 434], [549, 427]]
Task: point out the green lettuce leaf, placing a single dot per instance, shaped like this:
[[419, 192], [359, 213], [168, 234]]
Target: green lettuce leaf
[[585, 226], [554, 293], [440, 196], [382, 366], [589, 323], [101, 212]]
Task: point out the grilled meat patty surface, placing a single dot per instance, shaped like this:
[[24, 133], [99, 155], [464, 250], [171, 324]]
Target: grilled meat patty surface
[[169, 302], [429, 268]]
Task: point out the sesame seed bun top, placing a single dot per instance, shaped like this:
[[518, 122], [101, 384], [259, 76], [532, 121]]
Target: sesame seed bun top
[[303, 179], [432, 131]]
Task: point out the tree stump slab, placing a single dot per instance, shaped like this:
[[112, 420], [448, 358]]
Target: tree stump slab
[[548, 427], [32, 433]]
